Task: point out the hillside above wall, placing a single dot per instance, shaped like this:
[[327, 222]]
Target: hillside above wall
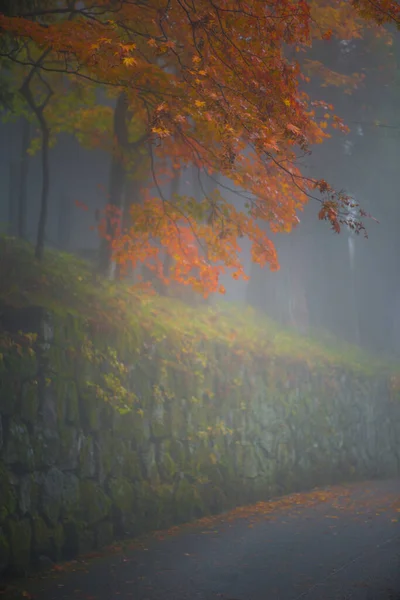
[[66, 286]]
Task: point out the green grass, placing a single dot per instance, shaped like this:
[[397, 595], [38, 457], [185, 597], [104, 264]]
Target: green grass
[[64, 284]]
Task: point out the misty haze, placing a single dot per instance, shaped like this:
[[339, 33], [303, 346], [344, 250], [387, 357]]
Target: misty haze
[[199, 300]]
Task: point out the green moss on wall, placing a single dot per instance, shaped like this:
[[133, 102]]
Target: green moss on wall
[[19, 534], [78, 538], [18, 448], [47, 541], [95, 504], [122, 495], [29, 401], [188, 503], [4, 551], [104, 534], [9, 393], [8, 500]]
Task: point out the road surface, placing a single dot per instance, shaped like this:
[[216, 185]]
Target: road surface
[[341, 543]]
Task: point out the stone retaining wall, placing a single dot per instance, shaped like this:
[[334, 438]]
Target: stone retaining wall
[[75, 473]]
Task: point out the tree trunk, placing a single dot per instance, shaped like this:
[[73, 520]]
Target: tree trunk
[[12, 220], [298, 307], [64, 222], [167, 263], [256, 287], [130, 197], [38, 111], [40, 239], [23, 182], [117, 179]]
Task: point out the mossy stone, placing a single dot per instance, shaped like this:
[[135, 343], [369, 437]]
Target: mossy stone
[[147, 508], [177, 415], [27, 364], [122, 494], [91, 410], [87, 461], [9, 393], [57, 534], [164, 495], [132, 467], [148, 456], [78, 539], [123, 449], [51, 495], [29, 493], [95, 504], [87, 541], [41, 533], [214, 499], [187, 501], [70, 445], [29, 401], [122, 424], [140, 431], [19, 535], [177, 451], [71, 530], [247, 461], [166, 465], [59, 387], [134, 425], [154, 506], [159, 424], [8, 499], [70, 495], [60, 357], [18, 450], [104, 533], [4, 552], [142, 381], [107, 454], [46, 446], [72, 404]]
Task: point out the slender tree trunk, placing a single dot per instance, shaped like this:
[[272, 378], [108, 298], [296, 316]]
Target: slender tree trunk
[[116, 270], [167, 263], [12, 221], [298, 308], [23, 182], [117, 179], [131, 196], [256, 288], [262, 288], [115, 192], [44, 200], [64, 222], [39, 112]]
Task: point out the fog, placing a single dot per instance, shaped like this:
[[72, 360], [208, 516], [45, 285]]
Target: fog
[[344, 284], [132, 429]]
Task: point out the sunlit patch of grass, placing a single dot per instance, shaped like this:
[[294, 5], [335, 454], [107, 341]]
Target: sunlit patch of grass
[[66, 285]]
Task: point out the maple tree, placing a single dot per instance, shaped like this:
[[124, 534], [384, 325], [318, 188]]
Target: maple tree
[[218, 86]]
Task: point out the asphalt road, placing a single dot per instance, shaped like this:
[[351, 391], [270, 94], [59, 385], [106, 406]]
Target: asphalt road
[[337, 543]]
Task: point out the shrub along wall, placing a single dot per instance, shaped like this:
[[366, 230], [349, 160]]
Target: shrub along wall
[[211, 428]]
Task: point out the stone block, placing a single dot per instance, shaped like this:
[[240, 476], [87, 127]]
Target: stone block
[[4, 551], [51, 495], [95, 504], [18, 450], [19, 534]]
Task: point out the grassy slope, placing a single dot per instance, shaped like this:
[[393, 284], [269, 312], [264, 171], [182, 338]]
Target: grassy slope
[[65, 284]]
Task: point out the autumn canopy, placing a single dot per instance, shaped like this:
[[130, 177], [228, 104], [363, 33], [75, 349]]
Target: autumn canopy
[[220, 87]]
